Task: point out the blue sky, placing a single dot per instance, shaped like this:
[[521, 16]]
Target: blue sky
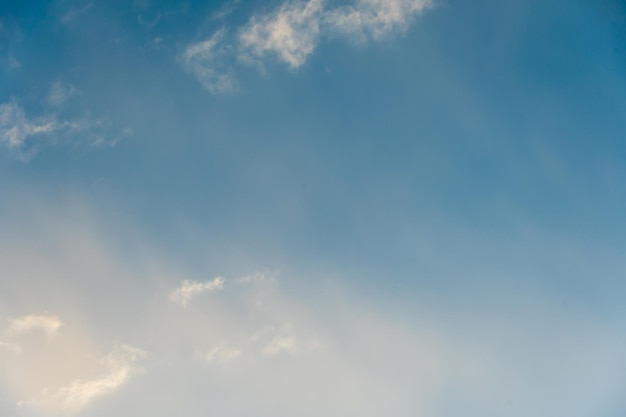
[[361, 207]]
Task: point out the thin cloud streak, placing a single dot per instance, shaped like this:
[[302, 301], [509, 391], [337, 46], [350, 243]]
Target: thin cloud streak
[[191, 289]]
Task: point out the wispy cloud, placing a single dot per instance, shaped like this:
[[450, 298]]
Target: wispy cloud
[[70, 15], [16, 128], [226, 10], [205, 61], [292, 31], [190, 289], [223, 353], [24, 134], [118, 368], [60, 93], [264, 276], [281, 344], [25, 324], [374, 18]]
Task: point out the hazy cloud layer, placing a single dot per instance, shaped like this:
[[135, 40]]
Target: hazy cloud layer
[[250, 340]]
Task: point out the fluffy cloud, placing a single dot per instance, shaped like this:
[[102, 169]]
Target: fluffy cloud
[[190, 289], [292, 31]]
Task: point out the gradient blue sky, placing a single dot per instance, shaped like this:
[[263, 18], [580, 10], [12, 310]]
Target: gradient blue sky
[[294, 208]]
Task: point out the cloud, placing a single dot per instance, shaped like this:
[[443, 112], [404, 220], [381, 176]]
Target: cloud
[[264, 276], [59, 93], [205, 61], [222, 353], [375, 18], [16, 128], [73, 13], [327, 352], [281, 344], [226, 10], [25, 324], [191, 289], [118, 368], [291, 32]]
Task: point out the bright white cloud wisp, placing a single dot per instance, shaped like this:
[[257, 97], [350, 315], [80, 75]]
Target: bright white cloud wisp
[[190, 289], [292, 31]]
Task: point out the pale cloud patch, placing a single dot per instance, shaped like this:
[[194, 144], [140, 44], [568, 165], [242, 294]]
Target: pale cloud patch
[[375, 18], [118, 367], [291, 32], [281, 344], [261, 277], [205, 61], [26, 324], [18, 130], [226, 10], [222, 353], [16, 127], [60, 93], [190, 289]]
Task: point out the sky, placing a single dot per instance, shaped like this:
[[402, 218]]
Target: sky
[[404, 208]]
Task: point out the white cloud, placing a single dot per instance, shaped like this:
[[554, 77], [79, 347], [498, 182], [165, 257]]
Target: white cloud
[[204, 61], [16, 128], [190, 289], [25, 324], [118, 367], [291, 32], [376, 18]]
